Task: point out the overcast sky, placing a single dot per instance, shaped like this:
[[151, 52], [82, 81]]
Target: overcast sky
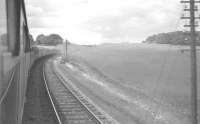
[[98, 21]]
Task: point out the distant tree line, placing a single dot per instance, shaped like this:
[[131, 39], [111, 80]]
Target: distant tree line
[[51, 40], [174, 38]]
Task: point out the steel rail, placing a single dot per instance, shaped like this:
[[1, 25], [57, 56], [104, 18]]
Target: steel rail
[[50, 97], [95, 118]]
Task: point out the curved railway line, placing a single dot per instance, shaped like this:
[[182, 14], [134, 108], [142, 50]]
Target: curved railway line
[[69, 104], [50, 96], [38, 108], [51, 100]]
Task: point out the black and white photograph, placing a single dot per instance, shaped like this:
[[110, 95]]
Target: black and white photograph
[[99, 61]]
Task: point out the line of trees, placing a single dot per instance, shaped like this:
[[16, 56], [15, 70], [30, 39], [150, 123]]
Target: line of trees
[[175, 38], [51, 40]]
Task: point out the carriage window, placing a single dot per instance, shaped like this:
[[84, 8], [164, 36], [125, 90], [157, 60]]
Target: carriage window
[[3, 25]]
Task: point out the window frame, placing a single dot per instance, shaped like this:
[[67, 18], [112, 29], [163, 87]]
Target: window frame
[[26, 39], [13, 26]]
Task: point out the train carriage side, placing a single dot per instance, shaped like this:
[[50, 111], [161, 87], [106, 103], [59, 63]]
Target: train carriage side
[[15, 60]]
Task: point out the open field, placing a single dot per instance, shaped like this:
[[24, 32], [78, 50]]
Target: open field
[[159, 72]]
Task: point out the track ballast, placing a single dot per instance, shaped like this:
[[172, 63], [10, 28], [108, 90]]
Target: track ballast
[[72, 106]]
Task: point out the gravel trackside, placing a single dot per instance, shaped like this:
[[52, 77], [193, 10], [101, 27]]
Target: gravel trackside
[[37, 109]]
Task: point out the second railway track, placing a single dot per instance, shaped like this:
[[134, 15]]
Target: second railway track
[[71, 107]]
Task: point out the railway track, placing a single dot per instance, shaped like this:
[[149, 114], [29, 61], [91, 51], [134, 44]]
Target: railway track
[[38, 107], [70, 106], [50, 97]]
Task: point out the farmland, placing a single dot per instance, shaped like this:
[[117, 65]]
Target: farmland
[[161, 73]]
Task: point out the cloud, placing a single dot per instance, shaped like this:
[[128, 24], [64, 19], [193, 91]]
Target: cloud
[[134, 23], [95, 21]]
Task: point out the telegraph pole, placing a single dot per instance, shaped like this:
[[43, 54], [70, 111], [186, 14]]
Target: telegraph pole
[[193, 64], [193, 25]]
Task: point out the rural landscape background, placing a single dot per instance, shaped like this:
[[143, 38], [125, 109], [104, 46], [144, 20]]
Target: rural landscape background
[[134, 51], [156, 71]]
